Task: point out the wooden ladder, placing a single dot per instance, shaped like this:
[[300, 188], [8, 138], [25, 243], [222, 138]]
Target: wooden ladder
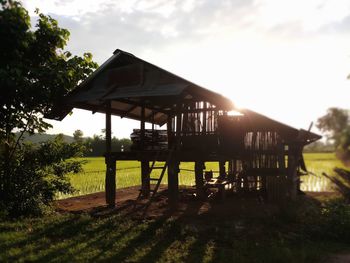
[[158, 179]]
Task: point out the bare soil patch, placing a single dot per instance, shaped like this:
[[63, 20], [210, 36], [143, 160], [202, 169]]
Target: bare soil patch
[[189, 205]]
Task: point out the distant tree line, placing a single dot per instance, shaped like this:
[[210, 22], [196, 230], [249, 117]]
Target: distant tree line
[[96, 145], [319, 147]]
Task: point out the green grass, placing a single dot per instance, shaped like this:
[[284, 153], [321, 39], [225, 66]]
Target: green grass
[[116, 238], [112, 238], [128, 174], [317, 164]]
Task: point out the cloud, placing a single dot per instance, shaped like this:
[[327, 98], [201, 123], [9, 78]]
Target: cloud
[[137, 26], [300, 19]]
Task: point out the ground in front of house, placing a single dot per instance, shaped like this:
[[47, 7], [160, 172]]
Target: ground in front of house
[[238, 229]]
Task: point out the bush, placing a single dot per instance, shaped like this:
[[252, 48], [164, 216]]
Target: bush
[[35, 174], [336, 220]]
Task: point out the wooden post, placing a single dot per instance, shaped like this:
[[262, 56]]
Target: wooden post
[[145, 169], [145, 178], [222, 172], [292, 172], [142, 128], [178, 126], [110, 183], [204, 117], [198, 169], [281, 160], [169, 132], [173, 181]]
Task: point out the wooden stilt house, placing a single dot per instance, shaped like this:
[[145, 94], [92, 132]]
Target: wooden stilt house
[[254, 152]]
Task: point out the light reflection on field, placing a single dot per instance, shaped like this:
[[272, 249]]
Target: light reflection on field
[[313, 183]]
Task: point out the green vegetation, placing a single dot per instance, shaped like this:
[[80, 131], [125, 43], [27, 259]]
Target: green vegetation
[[291, 236], [35, 72], [128, 174], [336, 125], [38, 174]]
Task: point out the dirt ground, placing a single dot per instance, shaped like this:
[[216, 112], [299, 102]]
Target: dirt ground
[[188, 205]]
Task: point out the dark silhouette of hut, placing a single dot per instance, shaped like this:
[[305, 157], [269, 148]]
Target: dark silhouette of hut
[[261, 154]]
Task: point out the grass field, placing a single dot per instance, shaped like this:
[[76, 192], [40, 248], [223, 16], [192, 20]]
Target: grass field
[[112, 238], [128, 174], [299, 233]]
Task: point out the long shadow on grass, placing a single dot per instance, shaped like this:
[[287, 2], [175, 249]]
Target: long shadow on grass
[[92, 237], [171, 232], [143, 237], [56, 232]]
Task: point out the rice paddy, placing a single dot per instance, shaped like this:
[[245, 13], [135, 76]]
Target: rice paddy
[[128, 174]]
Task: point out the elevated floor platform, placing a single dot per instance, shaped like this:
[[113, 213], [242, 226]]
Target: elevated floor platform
[[181, 156]]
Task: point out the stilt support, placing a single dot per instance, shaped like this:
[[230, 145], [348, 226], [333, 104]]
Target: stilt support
[[173, 181], [110, 183], [198, 169], [145, 179]]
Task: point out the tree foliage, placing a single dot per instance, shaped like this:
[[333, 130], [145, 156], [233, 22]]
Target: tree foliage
[[37, 173], [78, 136], [336, 124], [35, 72]]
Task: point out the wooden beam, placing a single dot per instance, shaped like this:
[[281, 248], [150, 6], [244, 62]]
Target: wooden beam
[[128, 111], [110, 183], [102, 109], [143, 104]]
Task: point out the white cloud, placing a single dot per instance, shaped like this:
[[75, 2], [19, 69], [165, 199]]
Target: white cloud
[[287, 59], [311, 14]]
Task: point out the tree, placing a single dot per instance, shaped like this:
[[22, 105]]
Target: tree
[[37, 174], [35, 72], [78, 136], [334, 123]]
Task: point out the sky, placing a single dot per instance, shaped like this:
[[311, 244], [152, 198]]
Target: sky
[[287, 59]]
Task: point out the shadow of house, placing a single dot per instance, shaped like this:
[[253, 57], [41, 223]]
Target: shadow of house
[[254, 152]]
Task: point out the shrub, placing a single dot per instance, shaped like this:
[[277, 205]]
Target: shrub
[[35, 174]]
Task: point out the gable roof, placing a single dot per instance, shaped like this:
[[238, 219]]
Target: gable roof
[[130, 83], [258, 122]]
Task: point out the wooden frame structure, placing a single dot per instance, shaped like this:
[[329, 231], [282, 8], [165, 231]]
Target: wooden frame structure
[[201, 125]]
